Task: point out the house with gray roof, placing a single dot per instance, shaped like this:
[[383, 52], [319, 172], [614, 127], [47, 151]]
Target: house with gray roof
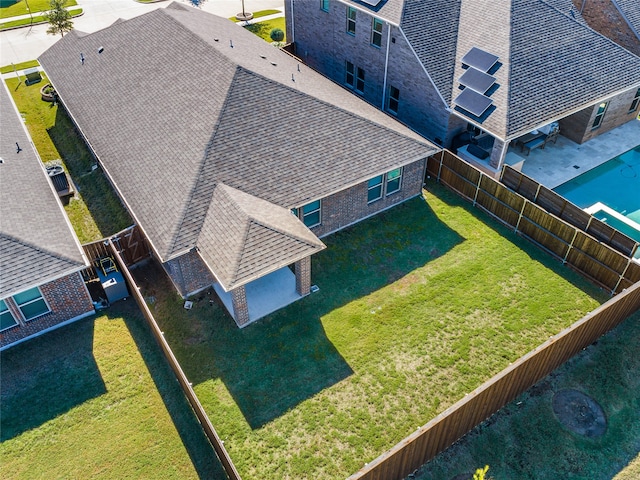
[[41, 287], [455, 69], [232, 156]]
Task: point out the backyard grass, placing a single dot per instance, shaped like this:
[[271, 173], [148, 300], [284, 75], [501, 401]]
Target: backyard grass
[[263, 29], [19, 66], [526, 441], [13, 8], [416, 307], [95, 211], [95, 399]]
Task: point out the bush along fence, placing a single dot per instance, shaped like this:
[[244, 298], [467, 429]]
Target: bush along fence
[[604, 256], [596, 250], [441, 432], [125, 248]]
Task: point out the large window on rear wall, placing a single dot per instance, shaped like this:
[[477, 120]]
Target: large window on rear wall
[[351, 20], [374, 188], [634, 103], [6, 318], [394, 180], [31, 303], [312, 213], [597, 121], [376, 32]]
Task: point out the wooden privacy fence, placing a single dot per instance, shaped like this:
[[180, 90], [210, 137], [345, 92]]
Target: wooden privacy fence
[[453, 423], [130, 243], [588, 245], [207, 426]]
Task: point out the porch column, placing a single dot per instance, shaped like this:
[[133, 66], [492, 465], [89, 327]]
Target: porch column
[[303, 276], [240, 307], [498, 153]]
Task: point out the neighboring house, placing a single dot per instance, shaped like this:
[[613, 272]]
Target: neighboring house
[[630, 11], [444, 67], [232, 156], [41, 287]]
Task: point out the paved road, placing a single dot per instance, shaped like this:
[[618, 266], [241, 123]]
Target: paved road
[[28, 43]]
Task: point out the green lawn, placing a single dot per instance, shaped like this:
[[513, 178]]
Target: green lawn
[[12, 8], [95, 399], [95, 212], [19, 66], [261, 13], [526, 441], [416, 307], [75, 12], [263, 29]]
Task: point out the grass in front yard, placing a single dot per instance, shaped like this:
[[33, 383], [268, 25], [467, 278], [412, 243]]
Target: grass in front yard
[[95, 399], [12, 8], [95, 211], [263, 29], [19, 66], [525, 440], [75, 12], [416, 307]]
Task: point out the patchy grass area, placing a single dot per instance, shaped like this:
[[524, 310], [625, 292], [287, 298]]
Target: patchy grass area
[[524, 440], [13, 8], [416, 307], [75, 12], [95, 399], [95, 211]]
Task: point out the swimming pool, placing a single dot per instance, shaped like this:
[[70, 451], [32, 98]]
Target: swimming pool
[[610, 192]]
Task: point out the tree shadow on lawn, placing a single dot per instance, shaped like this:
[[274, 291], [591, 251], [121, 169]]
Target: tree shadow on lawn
[[202, 454], [106, 209], [48, 376], [285, 358]]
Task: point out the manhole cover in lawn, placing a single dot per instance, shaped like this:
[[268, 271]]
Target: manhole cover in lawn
[[579, 413]]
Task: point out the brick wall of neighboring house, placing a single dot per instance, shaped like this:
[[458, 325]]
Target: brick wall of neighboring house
[[349, 206], [67, 298], [578, 127], [321, 41], [189, 273]]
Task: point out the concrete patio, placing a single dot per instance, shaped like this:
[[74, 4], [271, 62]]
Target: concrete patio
[[560, 162], [265, 295]]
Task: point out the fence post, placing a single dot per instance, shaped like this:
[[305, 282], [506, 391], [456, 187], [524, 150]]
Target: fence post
[[440, 166], [621, 277], [475, 197], [524, 204], [566, 255]]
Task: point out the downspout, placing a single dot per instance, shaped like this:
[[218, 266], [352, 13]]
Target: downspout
[[293, 31], [386, 66]]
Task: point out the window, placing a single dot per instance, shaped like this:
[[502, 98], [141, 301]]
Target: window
[[394, 180], [311, 214], [351, 75], [600, 115], [374, 189], [354, 77], [324, 5], [31, 303], [634, 103], [394, 99], [359, 80], [376, 32], [6, 319], [351, 20]]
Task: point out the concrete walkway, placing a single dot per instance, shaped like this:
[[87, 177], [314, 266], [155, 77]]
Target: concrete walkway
[[23, 44]]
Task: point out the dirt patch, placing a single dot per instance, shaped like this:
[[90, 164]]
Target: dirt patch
[[579, 413], [604, 18]]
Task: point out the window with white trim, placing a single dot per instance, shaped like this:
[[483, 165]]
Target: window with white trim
[[311, 213], [634, 103], [394, 99], [376, 32], [6, 318], [351, 20], [31, 303], [374, 188], [597, 121], [394, 181]]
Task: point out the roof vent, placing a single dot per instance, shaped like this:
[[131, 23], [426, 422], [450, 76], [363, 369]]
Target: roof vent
[[293, 78], [231, 43], [1, 160], [100, 49], [18, 149], [274, 64], [263, 56], [81, 58], [216, 39]]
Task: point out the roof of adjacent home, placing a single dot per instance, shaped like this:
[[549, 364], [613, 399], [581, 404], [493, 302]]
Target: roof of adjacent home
[[180, 101], [37, 244], [630, 9], [550, 63]]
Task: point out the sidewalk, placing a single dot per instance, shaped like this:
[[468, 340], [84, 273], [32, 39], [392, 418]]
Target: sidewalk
[[33, 14]]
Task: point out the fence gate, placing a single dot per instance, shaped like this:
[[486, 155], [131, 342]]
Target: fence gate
[[131, 244]]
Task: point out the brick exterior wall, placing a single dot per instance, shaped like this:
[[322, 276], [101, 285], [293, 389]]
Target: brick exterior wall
[[577, 127], [321, 41], [303, 276], [68, 299], [350, 205], [240, 307], [189, 273]]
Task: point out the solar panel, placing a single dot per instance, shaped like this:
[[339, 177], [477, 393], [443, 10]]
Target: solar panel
[[479, 59], [473, 102], [477, 80]]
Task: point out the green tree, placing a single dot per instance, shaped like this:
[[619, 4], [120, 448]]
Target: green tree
[[59, 18]]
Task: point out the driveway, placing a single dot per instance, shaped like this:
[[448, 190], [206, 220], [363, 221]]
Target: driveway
[[28, 43]]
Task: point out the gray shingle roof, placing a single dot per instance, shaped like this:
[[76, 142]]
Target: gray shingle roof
[[631, 11], [180, 100], [244, 237], [552, 63], [37, 244]]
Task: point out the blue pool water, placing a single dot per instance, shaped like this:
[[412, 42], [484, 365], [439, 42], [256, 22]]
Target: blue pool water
[[616, 184]]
